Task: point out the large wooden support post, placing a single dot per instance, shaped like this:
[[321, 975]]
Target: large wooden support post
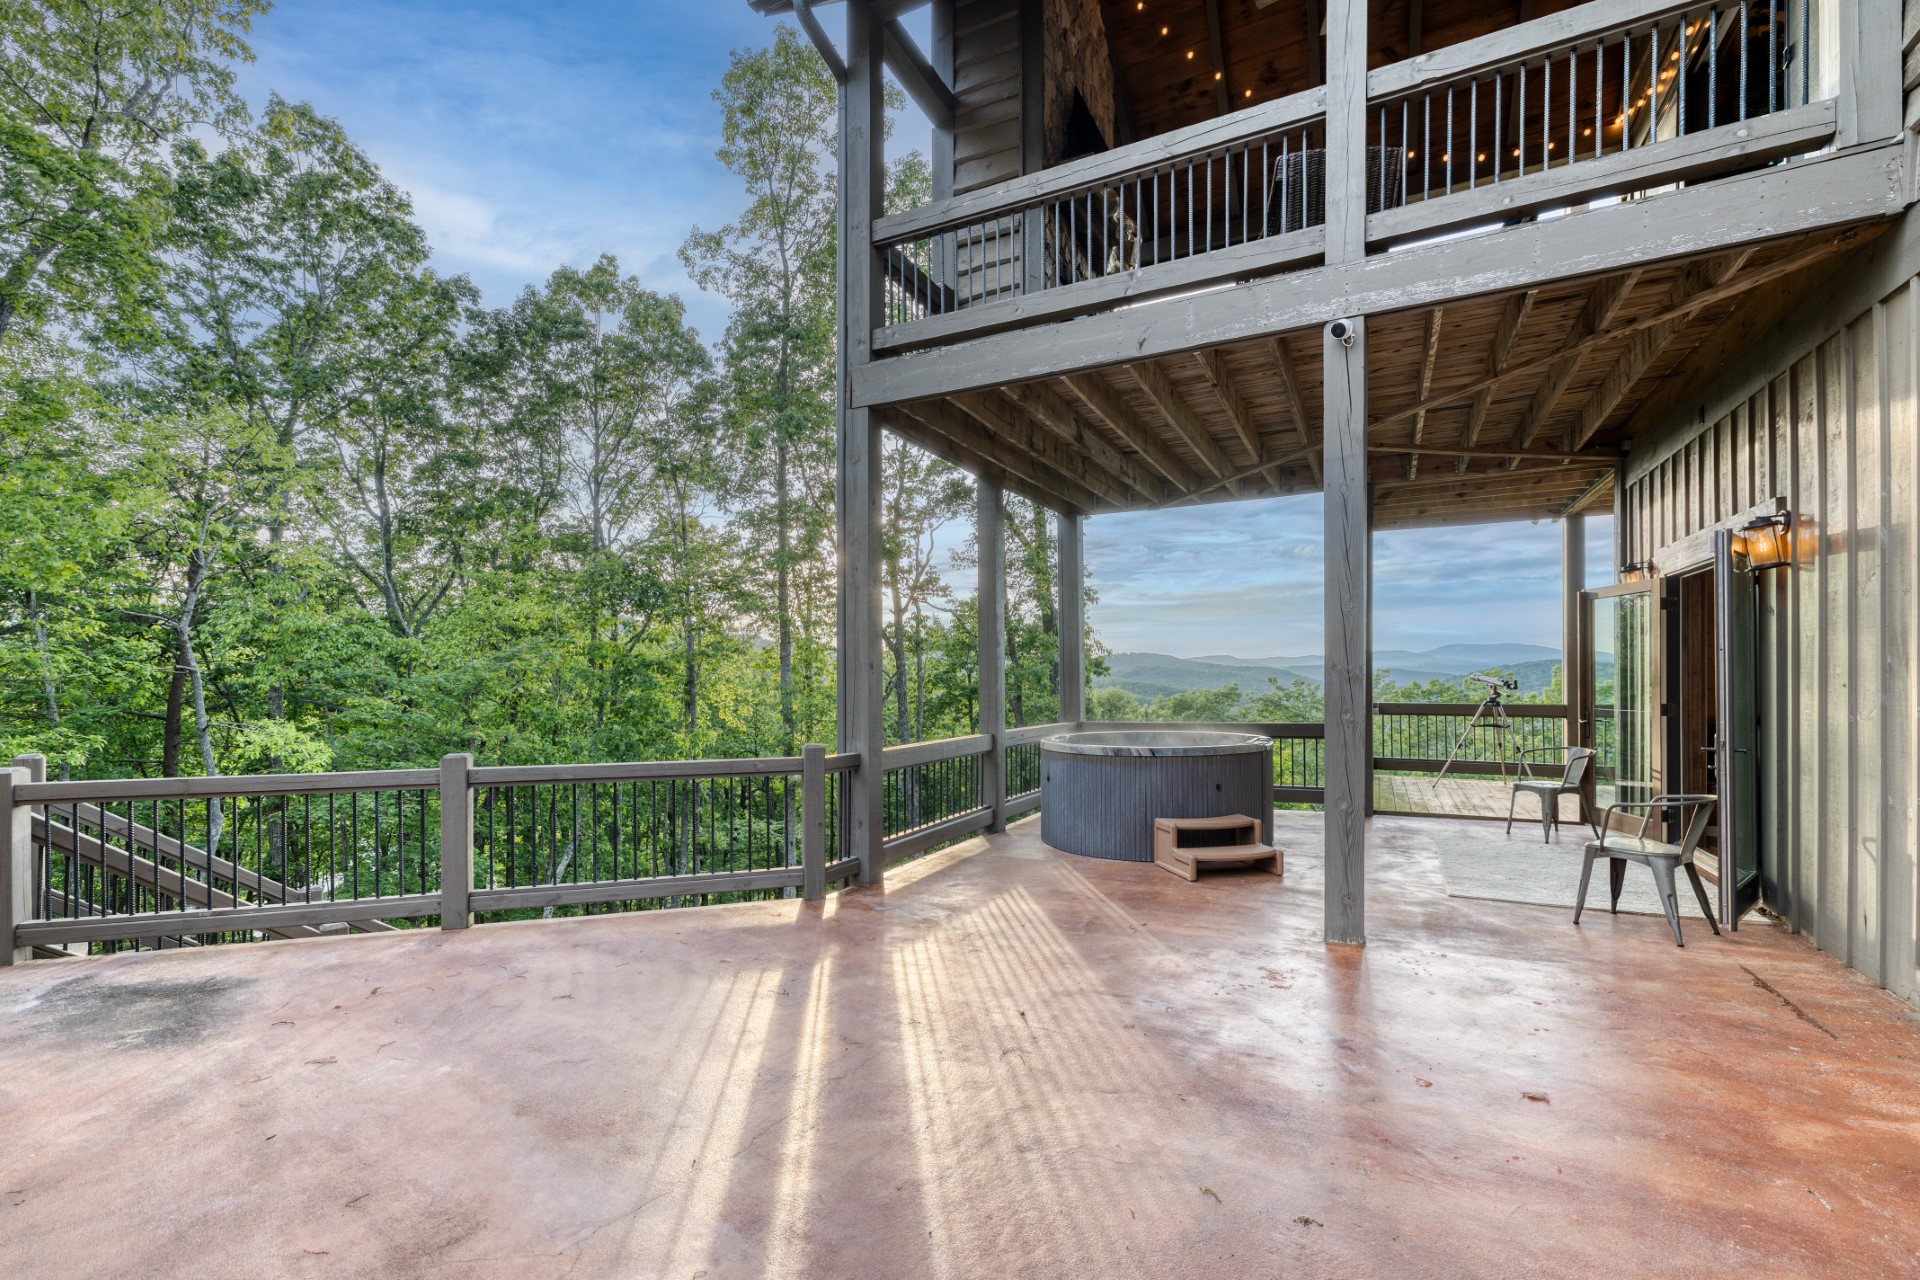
[[1349, 749], [862, 175], [1073, 619], [16, 862], [990, 532], [813, 822], [456, 841], [1346, 130], [1573, 579], [1869, 71]]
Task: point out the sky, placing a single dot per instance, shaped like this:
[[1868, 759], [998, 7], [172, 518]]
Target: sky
[[531, 135]]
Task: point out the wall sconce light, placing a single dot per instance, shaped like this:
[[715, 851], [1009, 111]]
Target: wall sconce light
[[1767, 542], [1635, 571]]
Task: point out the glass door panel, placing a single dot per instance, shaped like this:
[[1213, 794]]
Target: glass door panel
[[1622, 687]]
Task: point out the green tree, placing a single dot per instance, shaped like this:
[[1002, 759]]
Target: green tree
[[91, 94]]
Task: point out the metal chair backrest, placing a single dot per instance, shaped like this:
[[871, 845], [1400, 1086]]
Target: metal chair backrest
[[1696, 825], [1579, 760]]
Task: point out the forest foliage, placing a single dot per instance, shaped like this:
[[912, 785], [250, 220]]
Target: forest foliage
[[278, 495]]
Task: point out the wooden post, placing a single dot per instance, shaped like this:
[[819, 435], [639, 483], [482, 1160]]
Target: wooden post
[[1573, 578], [862, 174], [1073, 620], [813, 822], [1349, 747], [941, 55], [1346, 130], [456, 841], [1869, 71], [991, 602], [16, 863]]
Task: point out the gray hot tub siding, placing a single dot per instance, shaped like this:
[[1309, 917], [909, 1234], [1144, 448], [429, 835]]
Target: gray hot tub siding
[[1104, 806]]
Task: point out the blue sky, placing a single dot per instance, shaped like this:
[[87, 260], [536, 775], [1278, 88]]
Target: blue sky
[[531, 135]]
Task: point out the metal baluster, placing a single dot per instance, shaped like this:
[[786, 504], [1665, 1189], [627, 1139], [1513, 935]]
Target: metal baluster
[[1599, 100], [1189, 210], [1266, 189], [1426, 142], [1744, 42], [1653, 87], [1449, 155], [1806, 63], [1546, 113], [1626, 91], [1499, 133], [1773, 53], [1473, 134]]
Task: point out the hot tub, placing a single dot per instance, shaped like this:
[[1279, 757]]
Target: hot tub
[[1101, 790]]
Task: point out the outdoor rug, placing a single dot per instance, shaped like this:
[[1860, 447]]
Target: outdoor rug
[[1477, 860]]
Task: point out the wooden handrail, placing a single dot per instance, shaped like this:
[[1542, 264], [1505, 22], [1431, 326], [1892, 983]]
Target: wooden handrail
[[1530, 39], [907, 754]]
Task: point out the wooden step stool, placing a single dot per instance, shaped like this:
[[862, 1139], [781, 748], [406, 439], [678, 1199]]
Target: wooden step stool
[[1183, 845]]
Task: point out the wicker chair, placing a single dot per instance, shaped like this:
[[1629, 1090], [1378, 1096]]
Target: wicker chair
[[1570, 781], [1657, 856]]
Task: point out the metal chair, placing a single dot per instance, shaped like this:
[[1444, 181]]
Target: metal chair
[[1657, 856], [1571, 782]]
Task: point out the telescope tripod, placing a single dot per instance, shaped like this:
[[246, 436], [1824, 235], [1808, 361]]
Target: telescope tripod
[[1492, 713]]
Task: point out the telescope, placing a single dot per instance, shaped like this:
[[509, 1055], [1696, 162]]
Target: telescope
[[1494, 682], [1491, 715]]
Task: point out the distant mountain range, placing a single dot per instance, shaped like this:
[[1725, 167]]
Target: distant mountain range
[[1153, 675]]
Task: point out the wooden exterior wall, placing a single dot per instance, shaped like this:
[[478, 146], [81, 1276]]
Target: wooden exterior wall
[[986, 90], [1821, 411]]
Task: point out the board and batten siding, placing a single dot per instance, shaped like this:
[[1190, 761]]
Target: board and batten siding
[[1821, 412], [986, 91]]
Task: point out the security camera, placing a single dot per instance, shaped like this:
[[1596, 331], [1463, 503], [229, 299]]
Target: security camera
[[1342, 332]]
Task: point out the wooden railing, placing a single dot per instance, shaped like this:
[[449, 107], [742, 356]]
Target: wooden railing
[[193, 861], [1594, 103]]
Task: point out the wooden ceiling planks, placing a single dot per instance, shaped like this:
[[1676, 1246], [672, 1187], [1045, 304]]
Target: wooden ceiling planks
[[1106, 440], [1268, 51]]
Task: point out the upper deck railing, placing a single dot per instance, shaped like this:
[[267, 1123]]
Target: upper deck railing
[[1602, 102]]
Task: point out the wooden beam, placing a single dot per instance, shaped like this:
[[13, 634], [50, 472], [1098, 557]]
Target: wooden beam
[[1051, 410], [1214, 366], [1602, 305], [1454, 450], [917, 76], [1646, 345], [1835, 194], [1428, 355], [1587, 495], [1510, 321], [990, 541], [1054, 489], [1011, 428], [1105, 404], [1152, 379], [1073, 620], [16, 864], [822, 42], [1348, 675], [1494, 481], [910, 428]]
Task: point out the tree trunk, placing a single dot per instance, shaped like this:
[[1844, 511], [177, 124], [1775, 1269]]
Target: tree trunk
[[176, 708]]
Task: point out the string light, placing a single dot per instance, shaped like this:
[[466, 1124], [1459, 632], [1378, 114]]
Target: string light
[[1189, 55], [1163, 31], [1247, 94], [1216, 75]]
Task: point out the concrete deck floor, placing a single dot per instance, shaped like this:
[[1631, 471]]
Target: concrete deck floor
[[1010, 1062]]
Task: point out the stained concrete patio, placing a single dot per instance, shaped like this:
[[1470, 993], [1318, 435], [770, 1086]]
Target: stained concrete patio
[[1009, 1063]]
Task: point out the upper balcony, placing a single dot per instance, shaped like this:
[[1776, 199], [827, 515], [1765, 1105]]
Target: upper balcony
[[1593, 105], [1518, 205]]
